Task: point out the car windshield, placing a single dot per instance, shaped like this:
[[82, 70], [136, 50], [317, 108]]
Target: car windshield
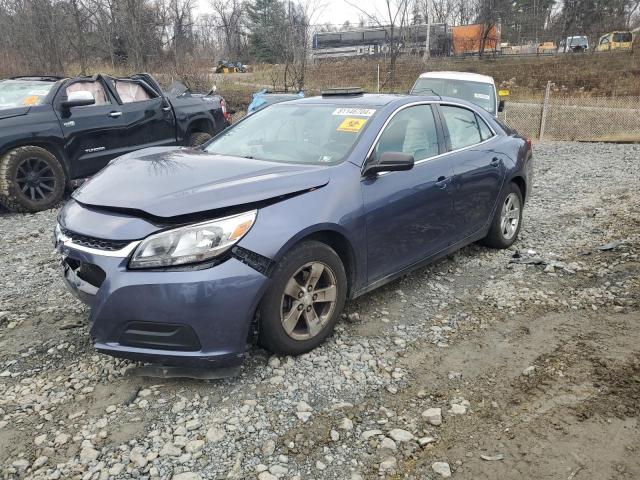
[[295, 133], [21, 93], [482, 94], [577, 41]]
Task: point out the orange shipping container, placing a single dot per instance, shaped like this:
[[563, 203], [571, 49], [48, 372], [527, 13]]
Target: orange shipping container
[[468, 38]]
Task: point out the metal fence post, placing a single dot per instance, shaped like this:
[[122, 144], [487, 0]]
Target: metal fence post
[[545, 105], [378, 78]]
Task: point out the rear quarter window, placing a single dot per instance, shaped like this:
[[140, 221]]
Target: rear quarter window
[[485, 131], [462, 125]]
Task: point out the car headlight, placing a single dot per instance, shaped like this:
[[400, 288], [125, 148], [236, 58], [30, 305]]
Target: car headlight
[[193, 243]]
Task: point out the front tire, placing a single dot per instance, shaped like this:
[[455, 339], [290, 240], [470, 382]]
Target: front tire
[[305, 300], [507, 219], [198, 138], [31, 179]]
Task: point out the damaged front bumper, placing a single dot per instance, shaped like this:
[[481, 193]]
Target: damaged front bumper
[[187, 317]]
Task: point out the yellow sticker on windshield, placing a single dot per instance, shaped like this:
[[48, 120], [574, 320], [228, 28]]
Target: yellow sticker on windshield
[[31, 100], [351, 124]]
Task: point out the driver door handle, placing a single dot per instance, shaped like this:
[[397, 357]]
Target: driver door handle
[[166, 109], [442, 182], [115, 114]]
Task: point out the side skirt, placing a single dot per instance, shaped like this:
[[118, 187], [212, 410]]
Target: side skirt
[[422, 263]]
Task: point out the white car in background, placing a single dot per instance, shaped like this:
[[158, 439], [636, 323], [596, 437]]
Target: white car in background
[[472, 87]]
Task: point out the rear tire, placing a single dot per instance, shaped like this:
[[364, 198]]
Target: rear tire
[[31, 179], [198, 138], [305, 299], [507, 219]]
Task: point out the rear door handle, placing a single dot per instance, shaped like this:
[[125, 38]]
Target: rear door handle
[[442, 182], [115, 114]]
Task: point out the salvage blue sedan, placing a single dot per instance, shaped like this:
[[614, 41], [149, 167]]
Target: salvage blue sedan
[[187, 255]]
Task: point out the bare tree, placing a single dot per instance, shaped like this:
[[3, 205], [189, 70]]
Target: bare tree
[[180, 22], [78, 40], [489, 14], [466, 11], [443, 11], [394, 18], [105, 20], [231, 16], [300, 18]]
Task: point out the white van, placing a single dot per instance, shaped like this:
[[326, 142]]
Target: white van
[[472, 87], [576, 44]]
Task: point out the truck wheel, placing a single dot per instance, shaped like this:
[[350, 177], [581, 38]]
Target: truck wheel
[[198, 138], [31, 179]]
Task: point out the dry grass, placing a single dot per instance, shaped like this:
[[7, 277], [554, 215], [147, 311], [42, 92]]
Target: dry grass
[[608, 74]]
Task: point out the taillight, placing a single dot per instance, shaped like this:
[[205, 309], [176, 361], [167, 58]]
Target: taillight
[[529, 144], [226, 114]]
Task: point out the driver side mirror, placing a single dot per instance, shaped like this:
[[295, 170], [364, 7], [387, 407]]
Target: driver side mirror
[[390, 162], [80, 98]]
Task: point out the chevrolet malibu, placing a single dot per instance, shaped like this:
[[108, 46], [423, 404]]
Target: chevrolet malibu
[[188, 255]]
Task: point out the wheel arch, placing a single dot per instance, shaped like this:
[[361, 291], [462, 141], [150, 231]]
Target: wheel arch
[[521, 183], [338, 240], [201, 124], [47, 145]]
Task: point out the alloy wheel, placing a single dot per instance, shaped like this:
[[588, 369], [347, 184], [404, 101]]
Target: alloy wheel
[[308, 301], [36, 179], [510, 216]]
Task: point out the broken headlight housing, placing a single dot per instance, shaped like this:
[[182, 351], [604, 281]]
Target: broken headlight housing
[[192, 244]]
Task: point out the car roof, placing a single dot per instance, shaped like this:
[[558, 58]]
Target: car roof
[[472, 77], [363, 99], [379, 100]]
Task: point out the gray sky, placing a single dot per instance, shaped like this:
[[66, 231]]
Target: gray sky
[[334, 11]]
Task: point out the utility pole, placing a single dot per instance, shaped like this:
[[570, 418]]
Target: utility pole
[[427, 50]]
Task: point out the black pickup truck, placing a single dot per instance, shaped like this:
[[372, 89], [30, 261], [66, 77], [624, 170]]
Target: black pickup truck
[[55, 131]]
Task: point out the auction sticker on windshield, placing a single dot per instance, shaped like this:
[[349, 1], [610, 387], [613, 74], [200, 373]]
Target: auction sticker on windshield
[[361, 112], [351, 124]]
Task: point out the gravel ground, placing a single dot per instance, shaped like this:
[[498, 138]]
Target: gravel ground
[[522, 363]]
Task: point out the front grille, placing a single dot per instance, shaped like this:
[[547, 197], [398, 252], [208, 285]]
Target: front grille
[[90, 273], [97, 243]]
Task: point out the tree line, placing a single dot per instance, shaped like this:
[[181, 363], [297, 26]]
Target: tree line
[[78, 36]]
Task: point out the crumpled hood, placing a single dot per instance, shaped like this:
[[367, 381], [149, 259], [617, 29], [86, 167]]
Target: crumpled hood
[[13, 112], [172, 181]]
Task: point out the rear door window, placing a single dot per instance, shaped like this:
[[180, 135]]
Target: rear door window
[[462, 125], [130, 91]]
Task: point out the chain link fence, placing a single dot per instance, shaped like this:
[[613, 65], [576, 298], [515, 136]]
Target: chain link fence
[[606, 119], [576, 118]]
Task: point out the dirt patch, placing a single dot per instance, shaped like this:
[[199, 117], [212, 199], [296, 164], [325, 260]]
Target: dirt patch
[[618, 390]]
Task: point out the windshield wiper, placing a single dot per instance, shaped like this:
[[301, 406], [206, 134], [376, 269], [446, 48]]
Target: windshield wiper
[[424, 89]]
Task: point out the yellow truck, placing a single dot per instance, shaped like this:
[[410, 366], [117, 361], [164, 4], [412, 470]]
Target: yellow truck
[[615, 41]]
